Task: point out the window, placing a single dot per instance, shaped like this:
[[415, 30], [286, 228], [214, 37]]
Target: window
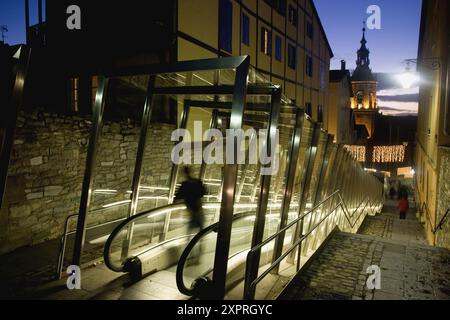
[[278, 48], [322, 76], [309, 65], [245, 29], [359, 99], [266, 41], [293, 16], [226, 25], [320, 114], [292, 56], [308, 109], [74, 94], [309, 30]]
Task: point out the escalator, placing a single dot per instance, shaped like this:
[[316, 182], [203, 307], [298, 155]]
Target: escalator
[[147, 234]]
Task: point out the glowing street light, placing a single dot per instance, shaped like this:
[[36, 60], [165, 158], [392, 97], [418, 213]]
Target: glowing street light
[[408, 79]]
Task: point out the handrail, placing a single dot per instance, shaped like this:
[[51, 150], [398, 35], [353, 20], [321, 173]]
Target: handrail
[[441, 223], [62, 250], [118, 229], [249, 294], [183, 258]]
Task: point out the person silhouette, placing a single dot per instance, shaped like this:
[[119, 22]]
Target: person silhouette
[[191, 192]]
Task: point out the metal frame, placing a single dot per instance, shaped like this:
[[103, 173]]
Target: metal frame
[[306, 181], [239, 91], [14, 106], [260, 221], [294, 153], [86, 191]]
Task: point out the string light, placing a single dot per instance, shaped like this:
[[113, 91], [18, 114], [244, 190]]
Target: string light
[[381, 154], [385, 154], [358, 152]]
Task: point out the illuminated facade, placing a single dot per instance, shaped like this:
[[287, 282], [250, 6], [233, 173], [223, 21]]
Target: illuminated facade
[[284, 39], [432, 156], [364, 85]]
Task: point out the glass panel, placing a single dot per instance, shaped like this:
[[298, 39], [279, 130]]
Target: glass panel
[[115, 162]]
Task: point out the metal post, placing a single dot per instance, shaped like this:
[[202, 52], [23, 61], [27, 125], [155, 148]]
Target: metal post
[[15, 104], [146, 116], [305, 185], [27, 20], [174, 172], [212, 125], [289, 185], [229, 185], [314, 197], [260, 221], [97, 122]]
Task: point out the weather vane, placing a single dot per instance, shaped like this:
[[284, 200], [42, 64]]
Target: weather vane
[[3, 30]]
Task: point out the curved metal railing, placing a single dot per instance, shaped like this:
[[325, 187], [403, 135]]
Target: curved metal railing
[[195, 240]]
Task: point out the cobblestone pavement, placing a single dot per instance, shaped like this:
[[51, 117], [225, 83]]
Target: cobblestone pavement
[[410, 270]]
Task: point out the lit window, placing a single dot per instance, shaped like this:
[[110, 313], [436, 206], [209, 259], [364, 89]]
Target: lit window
[[266, 41], [293, 16], [74, 94]]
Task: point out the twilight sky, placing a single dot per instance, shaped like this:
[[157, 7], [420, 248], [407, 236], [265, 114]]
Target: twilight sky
[[342, 19], [397, 40]]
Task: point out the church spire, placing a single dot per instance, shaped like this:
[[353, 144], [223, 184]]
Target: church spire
[[363, 52]]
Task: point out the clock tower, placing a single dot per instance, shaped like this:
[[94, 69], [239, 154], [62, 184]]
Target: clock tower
[[364, 86]]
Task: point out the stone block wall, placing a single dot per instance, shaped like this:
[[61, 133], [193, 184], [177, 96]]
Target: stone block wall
[[443, 236], [47, 167]]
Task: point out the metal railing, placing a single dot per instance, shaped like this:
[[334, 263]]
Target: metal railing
[[62, 250], [250, 284]]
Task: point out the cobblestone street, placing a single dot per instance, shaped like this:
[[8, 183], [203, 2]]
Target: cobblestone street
[[410, 269]]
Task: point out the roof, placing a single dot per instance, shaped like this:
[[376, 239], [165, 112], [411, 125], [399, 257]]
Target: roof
[[363, 74], [338, 75]]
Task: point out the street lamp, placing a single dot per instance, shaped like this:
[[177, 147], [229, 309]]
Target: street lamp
[[409, 78]]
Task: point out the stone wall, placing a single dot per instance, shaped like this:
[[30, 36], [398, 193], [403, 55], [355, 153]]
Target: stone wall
[[443, 236], [47, 167]]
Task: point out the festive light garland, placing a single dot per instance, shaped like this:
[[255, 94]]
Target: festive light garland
[[358, 152], [381, 154], [385, 154]]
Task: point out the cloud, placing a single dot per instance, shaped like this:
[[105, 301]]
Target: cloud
[[400, 98]]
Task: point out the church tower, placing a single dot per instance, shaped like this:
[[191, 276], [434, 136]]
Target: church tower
[[364, 85]]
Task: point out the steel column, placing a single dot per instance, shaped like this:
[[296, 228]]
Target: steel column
[[260, 221], [86, 192], [306, 183], [146, 117], [229, 185], [289, 185]]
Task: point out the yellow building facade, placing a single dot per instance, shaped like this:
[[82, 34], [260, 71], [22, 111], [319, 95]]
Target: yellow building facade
[[433, 134], [284, 39]]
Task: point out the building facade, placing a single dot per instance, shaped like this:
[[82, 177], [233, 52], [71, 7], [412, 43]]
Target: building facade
[[284, 39], [432, 156], [364, 84], [339, 116]]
